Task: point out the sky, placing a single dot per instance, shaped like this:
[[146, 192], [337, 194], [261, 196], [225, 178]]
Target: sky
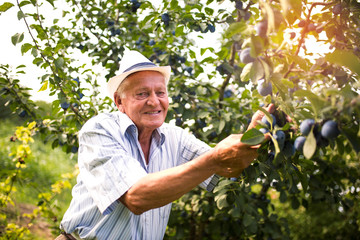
[[11, 54]]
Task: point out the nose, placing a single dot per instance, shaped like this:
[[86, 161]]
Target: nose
[[152, 100]]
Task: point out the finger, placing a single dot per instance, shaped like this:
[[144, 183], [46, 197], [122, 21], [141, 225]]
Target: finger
[[259, 114], [289, 119], [270, 108], [267, 136], [255, 146]]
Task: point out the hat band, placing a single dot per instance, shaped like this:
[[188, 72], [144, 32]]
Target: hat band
[[143, 64]]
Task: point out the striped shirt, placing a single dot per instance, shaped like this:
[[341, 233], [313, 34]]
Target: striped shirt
[[110, 162]]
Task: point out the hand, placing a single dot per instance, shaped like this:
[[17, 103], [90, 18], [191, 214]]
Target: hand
[[232, 156], [259, 115]]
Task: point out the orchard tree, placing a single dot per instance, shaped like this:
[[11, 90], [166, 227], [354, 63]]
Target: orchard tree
[[304, 183]]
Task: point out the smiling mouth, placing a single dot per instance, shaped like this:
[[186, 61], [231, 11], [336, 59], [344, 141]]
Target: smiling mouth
[[153, 112]]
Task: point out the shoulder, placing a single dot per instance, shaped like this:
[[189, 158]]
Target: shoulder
[[103, 123], [100, 120]]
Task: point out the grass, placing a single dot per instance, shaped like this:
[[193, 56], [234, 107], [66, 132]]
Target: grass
[[44, 168]]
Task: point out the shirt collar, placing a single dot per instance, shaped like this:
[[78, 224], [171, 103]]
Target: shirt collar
[[160, 136], [127, 125]]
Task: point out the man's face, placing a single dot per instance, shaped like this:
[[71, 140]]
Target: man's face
[[145, 100]]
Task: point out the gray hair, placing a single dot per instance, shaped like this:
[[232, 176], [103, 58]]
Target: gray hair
[[120, 91]]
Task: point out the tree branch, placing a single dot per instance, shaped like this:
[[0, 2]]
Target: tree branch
[[47, 61], [304, 31]]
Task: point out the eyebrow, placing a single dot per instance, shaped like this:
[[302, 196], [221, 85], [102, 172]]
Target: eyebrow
[[147, 88], [141, 89]]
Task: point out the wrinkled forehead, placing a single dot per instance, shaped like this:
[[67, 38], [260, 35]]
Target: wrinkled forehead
[[142, 79]]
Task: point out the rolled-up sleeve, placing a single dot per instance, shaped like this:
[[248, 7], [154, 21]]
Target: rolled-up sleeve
[[107, 168]]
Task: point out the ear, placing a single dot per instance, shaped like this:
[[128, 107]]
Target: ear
[[118, 102]]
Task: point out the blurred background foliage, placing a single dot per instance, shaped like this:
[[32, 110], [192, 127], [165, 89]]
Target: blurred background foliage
[[228, 59]]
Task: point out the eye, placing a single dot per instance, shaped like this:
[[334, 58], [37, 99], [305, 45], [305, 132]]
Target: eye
[[160, 93], [142, 95]]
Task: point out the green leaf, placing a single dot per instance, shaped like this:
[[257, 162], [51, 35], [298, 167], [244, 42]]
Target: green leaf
[[203, 26], [252, 137], [17, 38], [179, 30], [20, 15], [251, 173], [221, 125], [221, 202], [257, 45], [257, 71], [248, 220], [235, 28], [224, 183], [301, 62], [23, 3], [174, 4], [275, 142], [351, 133], [265, 168], [245, 73], [235, 212], [317, 102], [287, 83], [37, 61], [309, 145], [6, 6], [192, 54], [203, 114], [34, 52], [44, 86], [303, 180], [25, 47], [59, 63], [266, 68], [345, 58], [209, 11], [283, 197], [253, 228]]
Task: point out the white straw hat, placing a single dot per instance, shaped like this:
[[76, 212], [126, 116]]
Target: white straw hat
[[133, 61]]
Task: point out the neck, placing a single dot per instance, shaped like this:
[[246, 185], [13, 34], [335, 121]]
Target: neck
[[145, 142]]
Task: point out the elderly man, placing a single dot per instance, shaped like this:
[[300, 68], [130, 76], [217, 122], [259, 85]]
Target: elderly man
[[133, 165]]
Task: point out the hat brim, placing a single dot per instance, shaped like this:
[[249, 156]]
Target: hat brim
[[114, 82]]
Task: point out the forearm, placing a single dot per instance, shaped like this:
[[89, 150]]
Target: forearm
[[160, 188]]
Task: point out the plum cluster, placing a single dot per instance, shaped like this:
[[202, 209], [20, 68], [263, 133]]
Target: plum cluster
[[282, 137], [243, 12], [323, 133], [309, 26], [135, 5], [165, 18]]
